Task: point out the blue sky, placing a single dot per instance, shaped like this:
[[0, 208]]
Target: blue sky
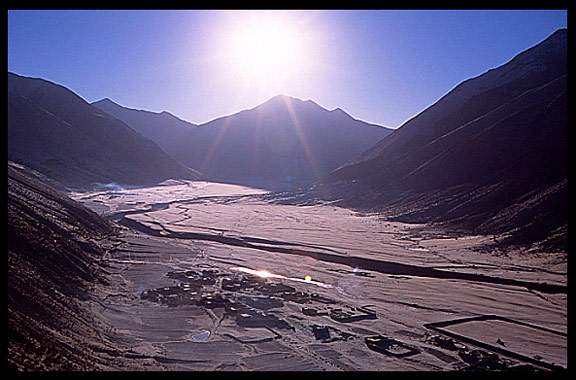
[[380, 66]]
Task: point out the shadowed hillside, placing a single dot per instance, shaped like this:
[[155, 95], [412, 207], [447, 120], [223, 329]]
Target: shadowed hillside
[[51, 267], [490, 156], [163, 128], [55, 132], [282, 142]]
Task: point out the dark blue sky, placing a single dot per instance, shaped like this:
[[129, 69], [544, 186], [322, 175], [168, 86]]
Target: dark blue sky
[[379, 66]]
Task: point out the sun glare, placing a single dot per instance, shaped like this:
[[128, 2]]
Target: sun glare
[[265, 51]]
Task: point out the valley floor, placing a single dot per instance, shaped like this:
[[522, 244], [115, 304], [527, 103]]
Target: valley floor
[[210, 276]]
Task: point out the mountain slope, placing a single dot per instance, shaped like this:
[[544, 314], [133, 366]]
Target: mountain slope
[[163, 128], [57, 273], [55, 132], [282, 141], [51, 265], [490, 156]]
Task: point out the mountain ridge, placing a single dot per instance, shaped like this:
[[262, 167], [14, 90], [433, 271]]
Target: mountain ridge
[[167, 114], [164, 128], [450, 103], [487, 148], [56, 132], [282, 138], [262, 145]]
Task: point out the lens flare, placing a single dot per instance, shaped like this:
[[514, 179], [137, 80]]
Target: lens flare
[[259, 273], [266, 274]]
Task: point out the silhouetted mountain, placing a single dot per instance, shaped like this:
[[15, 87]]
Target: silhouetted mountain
[[163, 128], [54, 131], [491, 155], [284, 141]]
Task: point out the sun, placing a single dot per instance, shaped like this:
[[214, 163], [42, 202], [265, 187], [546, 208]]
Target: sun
[[266, 51]]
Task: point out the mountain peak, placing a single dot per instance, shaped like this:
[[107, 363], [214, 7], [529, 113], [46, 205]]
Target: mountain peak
[[110, 106], [283, 137], [559, 38], [282, 100], [339, 111], [105, 101]]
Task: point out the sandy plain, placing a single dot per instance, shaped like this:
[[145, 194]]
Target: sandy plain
[[208, 276]]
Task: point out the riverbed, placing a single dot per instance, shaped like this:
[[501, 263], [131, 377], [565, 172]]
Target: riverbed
[[323, 287]]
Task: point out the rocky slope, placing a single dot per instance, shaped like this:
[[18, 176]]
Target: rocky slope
[[51, 267], [490, 156]]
